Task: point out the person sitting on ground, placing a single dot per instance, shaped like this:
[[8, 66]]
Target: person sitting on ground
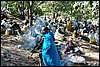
[[75, 25], [75, 34], [91, 37], [69, 25], [69, 48], [16, 26]]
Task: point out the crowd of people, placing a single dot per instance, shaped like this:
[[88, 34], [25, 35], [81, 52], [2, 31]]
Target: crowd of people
[[57, 29]]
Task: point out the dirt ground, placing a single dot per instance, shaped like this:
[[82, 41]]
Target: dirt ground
[[13, 56]]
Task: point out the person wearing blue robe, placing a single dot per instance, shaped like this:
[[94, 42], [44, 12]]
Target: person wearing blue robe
[[50, 54]]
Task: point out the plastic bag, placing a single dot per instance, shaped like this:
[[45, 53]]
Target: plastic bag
[[78, 59], [92, 40], [6, 33], [81, 60]]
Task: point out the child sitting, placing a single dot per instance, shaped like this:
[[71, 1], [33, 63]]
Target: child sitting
[[69, 48]]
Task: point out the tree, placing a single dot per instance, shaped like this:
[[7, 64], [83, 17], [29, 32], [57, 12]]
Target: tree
[[80, 9]]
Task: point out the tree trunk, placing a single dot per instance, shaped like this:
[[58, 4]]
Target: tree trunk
[[23, 9], [30, 12], [28, 9]]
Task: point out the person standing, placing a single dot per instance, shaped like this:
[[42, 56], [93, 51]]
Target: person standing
[[50, 54]]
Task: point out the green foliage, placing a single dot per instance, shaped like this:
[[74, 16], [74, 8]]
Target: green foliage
[[38, 11], [80, 9], [14, 12]]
